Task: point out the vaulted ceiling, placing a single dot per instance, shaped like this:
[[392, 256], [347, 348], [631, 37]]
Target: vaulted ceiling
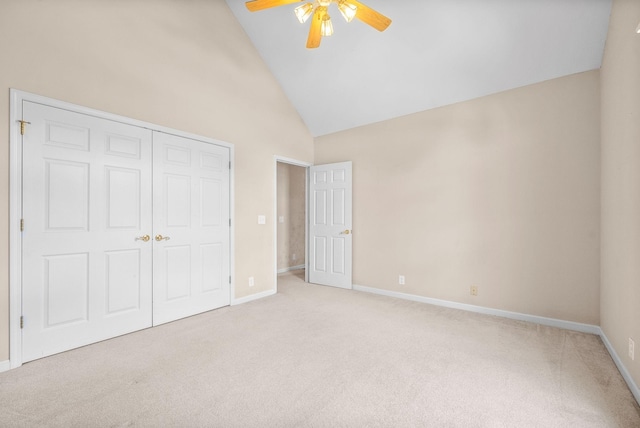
[[435, 53]]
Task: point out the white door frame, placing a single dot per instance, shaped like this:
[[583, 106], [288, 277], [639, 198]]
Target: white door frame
[[15, 200], [281, 159]]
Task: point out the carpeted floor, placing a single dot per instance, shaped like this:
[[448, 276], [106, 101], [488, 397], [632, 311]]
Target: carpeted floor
[[314, 356]]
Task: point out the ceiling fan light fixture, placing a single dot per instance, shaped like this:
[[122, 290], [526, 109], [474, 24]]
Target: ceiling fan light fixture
[[316, 12], [303, 12], [348, 10], [327, 26]]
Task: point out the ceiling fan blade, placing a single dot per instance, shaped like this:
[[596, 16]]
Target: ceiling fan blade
[[315, 32], [256, 5], [369, 16]]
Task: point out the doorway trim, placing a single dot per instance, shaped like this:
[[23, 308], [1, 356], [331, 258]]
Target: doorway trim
[[15, 200], [281, 159]]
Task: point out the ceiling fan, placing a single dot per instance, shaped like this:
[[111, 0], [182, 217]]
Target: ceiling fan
[[321, 21]]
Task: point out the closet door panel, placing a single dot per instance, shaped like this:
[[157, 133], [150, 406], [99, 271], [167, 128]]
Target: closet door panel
[[86, 198], [191, 227]]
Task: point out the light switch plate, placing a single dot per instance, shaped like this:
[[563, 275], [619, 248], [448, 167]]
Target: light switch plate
[[281, 219], [262, 219]]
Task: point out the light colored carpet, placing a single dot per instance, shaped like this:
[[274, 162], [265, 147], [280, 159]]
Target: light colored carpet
[[323, 357]]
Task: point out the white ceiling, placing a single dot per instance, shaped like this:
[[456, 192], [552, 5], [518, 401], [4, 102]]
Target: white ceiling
[[436, 52]]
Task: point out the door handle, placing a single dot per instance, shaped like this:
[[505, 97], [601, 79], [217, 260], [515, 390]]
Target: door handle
[[144, 238], [346, 232], [162, 238]]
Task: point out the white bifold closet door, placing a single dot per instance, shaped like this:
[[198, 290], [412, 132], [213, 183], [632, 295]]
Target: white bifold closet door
[[100, 199], [191, 227], [86, 198]]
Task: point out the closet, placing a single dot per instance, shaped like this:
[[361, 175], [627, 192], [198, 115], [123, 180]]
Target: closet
[[124, 228]]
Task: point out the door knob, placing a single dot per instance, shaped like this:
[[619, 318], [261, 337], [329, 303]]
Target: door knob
[[345, 232], [144, 238], [162, 238]]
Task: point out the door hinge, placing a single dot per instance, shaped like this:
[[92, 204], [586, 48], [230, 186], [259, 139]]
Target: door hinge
[[229, 222], [21, 321], [229, 164], [21, 225], [229, 279], [23, 126]]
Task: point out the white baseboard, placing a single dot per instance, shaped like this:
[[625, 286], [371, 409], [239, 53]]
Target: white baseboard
[[5, 365], [623, 370], [552, 322], [252, 297], [289, 269]]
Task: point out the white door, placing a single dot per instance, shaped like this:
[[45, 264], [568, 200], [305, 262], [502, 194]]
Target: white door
[[330, 231], [191, 227], [86, 204]]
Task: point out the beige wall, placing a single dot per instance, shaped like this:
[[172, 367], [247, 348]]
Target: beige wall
[[501, 192], [183, 64], [291, 207], [620, 281]]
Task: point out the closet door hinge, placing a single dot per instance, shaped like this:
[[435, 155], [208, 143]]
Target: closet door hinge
[[229, 279], [23, 126], [229, 222], [229, 164], [21, 321], [21, 225]]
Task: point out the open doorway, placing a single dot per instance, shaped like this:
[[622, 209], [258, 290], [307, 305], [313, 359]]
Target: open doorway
[[317, 225], [291, 207]]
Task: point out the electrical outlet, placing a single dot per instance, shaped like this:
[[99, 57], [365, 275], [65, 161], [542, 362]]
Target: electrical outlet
[[632, 347], [251, 282], [293, 256], [281, 219], [401, 280], [474, 290]]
